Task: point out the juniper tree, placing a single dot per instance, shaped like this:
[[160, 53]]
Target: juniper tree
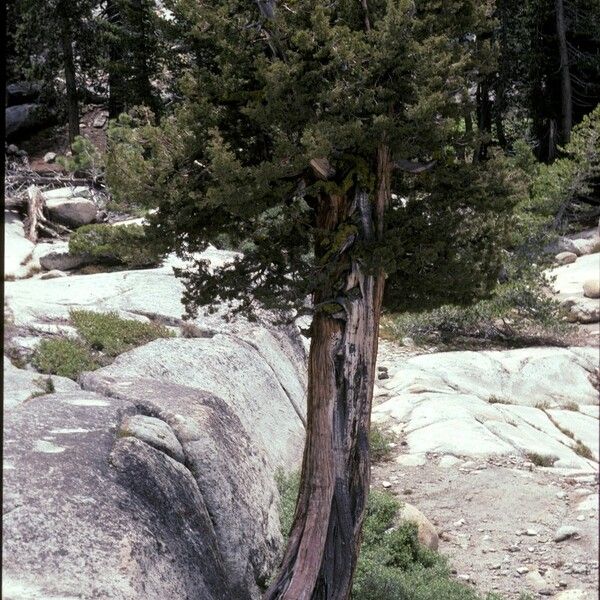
[[323, 141]]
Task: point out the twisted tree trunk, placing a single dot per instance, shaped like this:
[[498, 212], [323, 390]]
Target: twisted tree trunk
[[324, 542]]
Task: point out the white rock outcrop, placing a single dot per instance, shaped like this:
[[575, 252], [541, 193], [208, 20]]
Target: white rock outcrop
[[495, 403]]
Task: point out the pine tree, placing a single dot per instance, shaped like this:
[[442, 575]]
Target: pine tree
[[131, 33], [327, 143], [53, 39]]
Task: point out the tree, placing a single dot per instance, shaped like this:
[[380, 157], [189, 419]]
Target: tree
[[298, 124], [131, 32], [54, 39], [548, 69]]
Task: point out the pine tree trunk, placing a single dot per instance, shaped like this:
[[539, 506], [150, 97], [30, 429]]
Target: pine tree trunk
[[71, 83], [324, 542], [116, 85], [566, 94]]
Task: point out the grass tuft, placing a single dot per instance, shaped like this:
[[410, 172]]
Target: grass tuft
[[64, 357], [541, 460], [110, 334], [379, 443]]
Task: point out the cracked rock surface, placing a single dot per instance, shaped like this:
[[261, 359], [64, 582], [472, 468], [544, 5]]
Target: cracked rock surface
[[154, 477]]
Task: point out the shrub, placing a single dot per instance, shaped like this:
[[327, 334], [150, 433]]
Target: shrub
[[85, 158], [518, 313], [110, 334], [541, 460], [379, 443], [583, 450], [392, 564], [65, 357], [124, 244]]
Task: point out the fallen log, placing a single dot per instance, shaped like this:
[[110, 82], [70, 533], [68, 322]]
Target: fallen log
[[35, 221]]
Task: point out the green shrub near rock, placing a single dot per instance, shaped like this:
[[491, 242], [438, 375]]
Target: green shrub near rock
[[63, 356], [102, 337], [379, 443], [110, 334], [123, 244], [392, 564]]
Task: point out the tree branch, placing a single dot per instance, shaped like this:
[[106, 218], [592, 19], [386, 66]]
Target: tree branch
[[408, 166]]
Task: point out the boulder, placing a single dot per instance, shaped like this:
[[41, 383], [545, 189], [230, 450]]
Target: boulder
[[18, 249], [591, 288], [427, 534], [20, 385], [72, 212], [565, 258], [565, 244], [587, 246], [63, 261], [582, 310], [167, 459], [493, 403], [270, 404], [49, 157], [68, 192], [21, 118], [53, 274], [22, 92], [88, 516]]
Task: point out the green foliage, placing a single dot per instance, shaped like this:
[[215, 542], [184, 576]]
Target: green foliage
[[583, 450], [552, 194], [231, 162], [85, 157], [128, 245], [379, 443], [65, 357], [392, 564], [288, 485], [519, 313], [102, 337], [110, 334]]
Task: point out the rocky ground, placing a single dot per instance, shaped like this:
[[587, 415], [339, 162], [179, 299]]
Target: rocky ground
[[500, 450]]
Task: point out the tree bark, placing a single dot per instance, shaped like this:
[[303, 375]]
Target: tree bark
[[116, 84], [324, 542], [69, 65], [566, 94], [484, 121]]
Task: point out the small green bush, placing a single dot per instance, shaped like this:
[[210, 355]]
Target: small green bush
[[288, 485], [64, 357], [110, 334], [123, 244], [379, 443], [392, 564], [85, 158], [540, 460], [583, 450]]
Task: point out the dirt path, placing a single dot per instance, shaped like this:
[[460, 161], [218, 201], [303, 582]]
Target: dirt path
[[497, 520]]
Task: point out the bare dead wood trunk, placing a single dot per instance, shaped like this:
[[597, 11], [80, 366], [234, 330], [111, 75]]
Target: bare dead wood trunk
[[566, 94], [35, 221], [324, 542], [35, 203]]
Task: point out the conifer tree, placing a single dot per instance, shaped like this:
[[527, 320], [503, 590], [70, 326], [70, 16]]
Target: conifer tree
[[326, 143]]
